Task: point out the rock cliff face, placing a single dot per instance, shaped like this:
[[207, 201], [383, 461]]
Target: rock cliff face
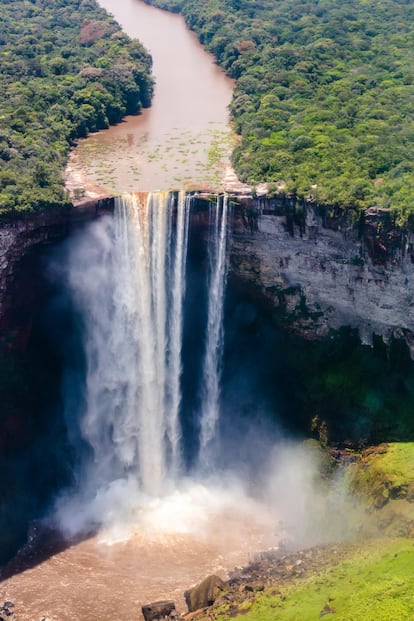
[[33, 462], [321, 271], [317, 269], [22, 293], [18, 237]]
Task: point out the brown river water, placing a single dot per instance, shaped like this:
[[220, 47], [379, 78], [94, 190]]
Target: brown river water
[[110, 576], [183, 140]]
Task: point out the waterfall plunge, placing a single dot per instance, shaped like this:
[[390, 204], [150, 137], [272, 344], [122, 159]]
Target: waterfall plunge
[[128, 280]]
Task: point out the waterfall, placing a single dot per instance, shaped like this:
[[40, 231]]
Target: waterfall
[[128, 276], [131, 299], [214, 335]]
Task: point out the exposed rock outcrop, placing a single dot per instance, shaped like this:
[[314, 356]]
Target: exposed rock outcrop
[[160, 610], [18, 235], [321, 271], [271, 571], [7, 611], [205, 593]]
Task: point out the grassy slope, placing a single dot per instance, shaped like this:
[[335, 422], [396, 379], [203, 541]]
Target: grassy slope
[[384, 476], [375, 582], [385, 472]]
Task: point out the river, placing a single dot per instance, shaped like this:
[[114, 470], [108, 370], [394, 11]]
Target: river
[[184, 139]]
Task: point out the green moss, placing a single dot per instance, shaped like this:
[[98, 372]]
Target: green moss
[[396, 463], [376, 582], [383, 477], [387, 471], [364, 394]]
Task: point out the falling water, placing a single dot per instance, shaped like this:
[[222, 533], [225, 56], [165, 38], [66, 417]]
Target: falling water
[[131, 297], [214, 335], [128, 278], [177, 291]]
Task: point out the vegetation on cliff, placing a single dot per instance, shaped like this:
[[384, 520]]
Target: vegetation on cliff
[[343, 391], [363, 395], [383, 478], [66, 69], [324, 94]]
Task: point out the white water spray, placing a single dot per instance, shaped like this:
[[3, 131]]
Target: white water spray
[[128, 276], [214, 336]]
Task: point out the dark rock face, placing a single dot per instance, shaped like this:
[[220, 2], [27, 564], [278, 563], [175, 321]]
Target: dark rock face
[[6, 612], [205, 593], [22, 284], [320, 271], [19, 235]]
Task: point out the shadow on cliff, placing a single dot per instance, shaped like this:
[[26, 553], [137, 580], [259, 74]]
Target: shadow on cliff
[[362, 394]]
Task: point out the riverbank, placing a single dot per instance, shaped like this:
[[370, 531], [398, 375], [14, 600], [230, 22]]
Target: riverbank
[[284, 578], [184, 140], [362, 580], [320, 120]]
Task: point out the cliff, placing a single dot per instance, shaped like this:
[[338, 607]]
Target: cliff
[[32, 430], [317, 269], [320, 270], [18, 236]]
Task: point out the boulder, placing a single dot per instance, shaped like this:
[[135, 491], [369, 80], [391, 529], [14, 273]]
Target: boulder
[[159, 610], [205, 593]]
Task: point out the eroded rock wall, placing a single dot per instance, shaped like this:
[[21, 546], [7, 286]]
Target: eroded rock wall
[[18, 235], [321, 271]]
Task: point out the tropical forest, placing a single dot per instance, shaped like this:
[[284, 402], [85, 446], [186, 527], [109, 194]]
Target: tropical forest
[[66, 69], [324, 95]]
